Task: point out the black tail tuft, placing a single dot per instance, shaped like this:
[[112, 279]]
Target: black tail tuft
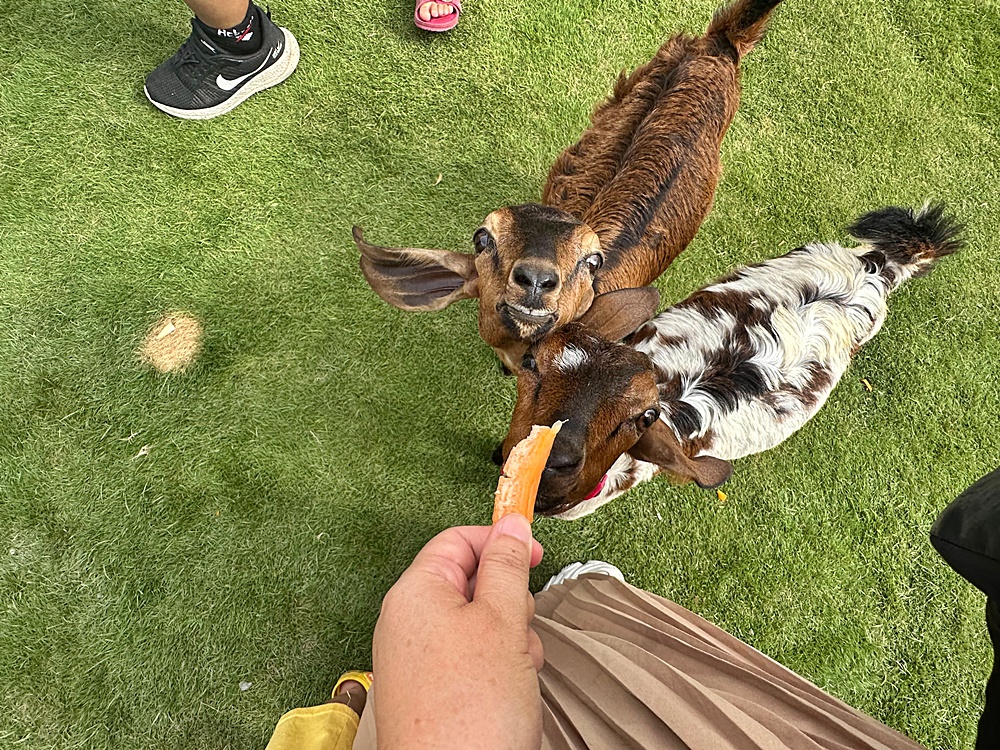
[[908, 243], [893, 226], [742, 24]]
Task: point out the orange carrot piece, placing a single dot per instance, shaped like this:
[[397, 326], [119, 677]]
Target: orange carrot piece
[[522, 472]]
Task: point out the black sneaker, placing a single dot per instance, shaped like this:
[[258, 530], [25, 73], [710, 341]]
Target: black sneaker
[[202, 81]]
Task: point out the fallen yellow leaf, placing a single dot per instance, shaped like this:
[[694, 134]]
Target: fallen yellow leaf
[[167, 329], [867, 385], [722, 496]]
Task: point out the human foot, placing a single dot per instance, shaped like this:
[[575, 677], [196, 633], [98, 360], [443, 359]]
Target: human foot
[[203, 80], [436, 16], [427, 11], [353, 693]]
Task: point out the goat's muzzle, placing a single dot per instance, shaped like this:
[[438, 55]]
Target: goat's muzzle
[[528, 323], [560, 479]]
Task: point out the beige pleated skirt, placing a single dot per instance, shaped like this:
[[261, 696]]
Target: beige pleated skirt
[[628, 669]]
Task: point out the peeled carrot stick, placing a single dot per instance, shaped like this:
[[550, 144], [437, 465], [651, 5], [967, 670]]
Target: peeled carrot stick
[[522, 472]]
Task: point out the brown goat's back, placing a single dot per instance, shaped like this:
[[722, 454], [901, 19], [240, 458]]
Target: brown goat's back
[[581, 171], [643, 176], [652, 207]]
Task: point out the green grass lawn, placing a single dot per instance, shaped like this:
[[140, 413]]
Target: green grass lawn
[[323, 437]]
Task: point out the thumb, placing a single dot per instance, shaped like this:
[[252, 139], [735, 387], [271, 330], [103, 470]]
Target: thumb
[[502, 577]]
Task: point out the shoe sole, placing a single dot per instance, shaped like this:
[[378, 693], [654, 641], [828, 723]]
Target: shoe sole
[[574, 570], [274, 75]]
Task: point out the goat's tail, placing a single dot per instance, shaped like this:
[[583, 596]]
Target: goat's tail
[[907, 244], [742, 24]]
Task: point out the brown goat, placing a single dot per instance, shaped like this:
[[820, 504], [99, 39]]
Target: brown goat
[[620, 204]]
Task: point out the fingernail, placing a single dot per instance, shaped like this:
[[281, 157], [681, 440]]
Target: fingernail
[[515, 525]]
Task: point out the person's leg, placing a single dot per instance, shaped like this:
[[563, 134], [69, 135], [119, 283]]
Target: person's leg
[[988, 737], [232, 25], [330, 726], [220, 14], [967, 536], [224, 14]]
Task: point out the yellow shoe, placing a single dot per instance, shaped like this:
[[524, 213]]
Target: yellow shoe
[[362, 678]]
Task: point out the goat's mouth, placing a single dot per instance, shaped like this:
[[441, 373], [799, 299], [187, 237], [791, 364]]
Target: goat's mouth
[[529, 312], [554, 504], [526, 322]]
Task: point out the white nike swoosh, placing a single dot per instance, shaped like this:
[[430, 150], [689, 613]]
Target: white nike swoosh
[[228, 85]]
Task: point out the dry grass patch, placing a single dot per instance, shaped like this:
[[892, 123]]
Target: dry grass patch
[[172, 343]]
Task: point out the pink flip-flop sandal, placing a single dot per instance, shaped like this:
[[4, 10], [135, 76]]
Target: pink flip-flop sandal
[[442, 23]]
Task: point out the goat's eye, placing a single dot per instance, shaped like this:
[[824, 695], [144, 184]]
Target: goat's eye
[[529, 363], [482, 240], [594, 262], [648, 417]]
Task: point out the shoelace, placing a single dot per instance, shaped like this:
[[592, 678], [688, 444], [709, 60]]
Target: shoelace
[[190, 52]]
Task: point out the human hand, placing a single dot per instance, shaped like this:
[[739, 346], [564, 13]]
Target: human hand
[[455, 661]]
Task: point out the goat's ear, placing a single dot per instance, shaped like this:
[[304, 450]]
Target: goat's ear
[[614, 315], [660, 446], [414, 279]]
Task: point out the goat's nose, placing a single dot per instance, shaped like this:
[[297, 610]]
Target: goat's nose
[[564, 460], [534, 279]]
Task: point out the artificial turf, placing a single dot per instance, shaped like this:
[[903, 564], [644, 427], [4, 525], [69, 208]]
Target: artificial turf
[[322, 437]]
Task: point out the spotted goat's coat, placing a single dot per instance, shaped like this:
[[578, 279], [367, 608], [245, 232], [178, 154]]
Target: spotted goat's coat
[[744, 363]]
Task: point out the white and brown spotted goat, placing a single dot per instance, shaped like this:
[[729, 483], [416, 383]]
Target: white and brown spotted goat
[[734, 369], [619, 205]]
